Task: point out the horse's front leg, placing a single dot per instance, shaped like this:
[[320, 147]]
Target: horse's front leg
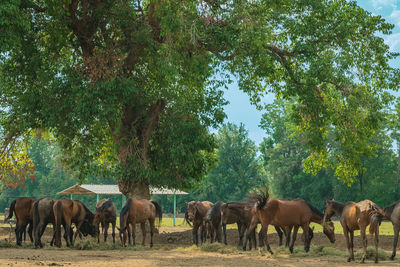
[[241, 229], [78, 226], [30, 229], [195, 234], [224, 230], [296, 228], [288, 232], [364, 241], [113, 231], [396, 230], [280, 234], [106, 225], [151, 221]]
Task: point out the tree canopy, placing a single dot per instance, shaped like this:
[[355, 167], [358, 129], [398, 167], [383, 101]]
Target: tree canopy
[[133, 86]]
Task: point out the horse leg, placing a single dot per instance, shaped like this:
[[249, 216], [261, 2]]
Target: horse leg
[[151, 232], [143, 226], [241, 233], [296, 228], [288, 232], [346, 236], [351, 245], [134, 234], [106, 225], [280, 234], [306, 237], [54, 235], [376, 240], [396, 229], [249, 231], [128, 229], [30, 229], [253, 234], [113, 231], [364, 240], [195, 235], [224, 230], [78, 226]]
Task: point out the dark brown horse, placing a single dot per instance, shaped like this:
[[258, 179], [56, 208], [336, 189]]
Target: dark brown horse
[[393, 214], [68, 211], [357, 216], [105, 214], [42, 215], [289, 213], [23, 209], [139, 211], [197, 213]]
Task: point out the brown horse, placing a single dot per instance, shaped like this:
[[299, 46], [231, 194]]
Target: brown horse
[[197, 214], [289, 213], [43, 215], [105, 214], [68, 211], [139, 211], [357, 216], [23, 209], [393, 214]]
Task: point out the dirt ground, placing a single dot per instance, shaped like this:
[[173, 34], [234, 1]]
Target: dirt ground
[[169, 250]]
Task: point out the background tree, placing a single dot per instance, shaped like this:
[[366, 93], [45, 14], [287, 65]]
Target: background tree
[[131, 85]]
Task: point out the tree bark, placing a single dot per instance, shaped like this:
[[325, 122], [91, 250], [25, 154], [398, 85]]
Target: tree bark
[[134, 189]]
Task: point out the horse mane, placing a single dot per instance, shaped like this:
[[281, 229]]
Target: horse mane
[[389, 209], [314, 209], [261, 198], [106, 204]]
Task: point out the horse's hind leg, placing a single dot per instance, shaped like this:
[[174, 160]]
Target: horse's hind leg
[[364, 240], [143, 226], [296, 228], [351, 245], [307, 240], [30, 230], [280, 234], [151, 232], [224, 230], [396, 229], [113, 231], [376, 239], [241, 229]]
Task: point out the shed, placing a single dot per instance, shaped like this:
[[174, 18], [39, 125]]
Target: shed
[[112, 189]]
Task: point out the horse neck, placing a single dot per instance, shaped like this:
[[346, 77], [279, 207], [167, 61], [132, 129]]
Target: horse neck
[[338, 208], [389, 209]]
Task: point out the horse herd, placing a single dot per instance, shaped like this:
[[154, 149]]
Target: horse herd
[[211, 219], [287, 216], [65, 212]]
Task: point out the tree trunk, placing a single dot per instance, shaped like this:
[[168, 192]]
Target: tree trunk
[[134, 189]]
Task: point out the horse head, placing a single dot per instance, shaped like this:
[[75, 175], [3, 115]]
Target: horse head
[[191, 210]]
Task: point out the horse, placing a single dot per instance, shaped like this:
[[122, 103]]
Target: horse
[[139, 211], [68, 211], [289, 213], [393, 214], [105, 214], [42, 215], [196, 212], [356, 216], [23, 208]]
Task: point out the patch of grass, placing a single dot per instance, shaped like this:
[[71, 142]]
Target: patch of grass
[[382, 255], [191, 248], [6, 244], [220, 248]]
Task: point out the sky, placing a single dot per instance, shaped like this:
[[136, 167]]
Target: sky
[[239, 110]]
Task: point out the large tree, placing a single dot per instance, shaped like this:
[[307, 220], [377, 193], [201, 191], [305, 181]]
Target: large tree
[[133, 85]]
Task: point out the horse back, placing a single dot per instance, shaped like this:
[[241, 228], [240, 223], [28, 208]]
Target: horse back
[[142, 210]]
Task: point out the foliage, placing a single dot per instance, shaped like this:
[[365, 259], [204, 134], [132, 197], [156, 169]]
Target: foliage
[[124, 84]]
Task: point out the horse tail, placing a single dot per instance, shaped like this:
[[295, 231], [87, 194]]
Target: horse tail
[[11, 211], [58, 217], [376, 216], [158, 211]]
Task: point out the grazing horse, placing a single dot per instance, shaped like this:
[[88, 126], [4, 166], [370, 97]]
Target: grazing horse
[[393, 214], [289, 213], [105, 214], [139, 211], [42, 215], [68, 211], [23, 209], [197, 214], [357, 216]]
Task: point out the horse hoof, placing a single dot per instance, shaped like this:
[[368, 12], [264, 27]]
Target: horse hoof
[[392, 257]]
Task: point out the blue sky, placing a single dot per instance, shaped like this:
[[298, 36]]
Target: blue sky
[[239, 110]]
